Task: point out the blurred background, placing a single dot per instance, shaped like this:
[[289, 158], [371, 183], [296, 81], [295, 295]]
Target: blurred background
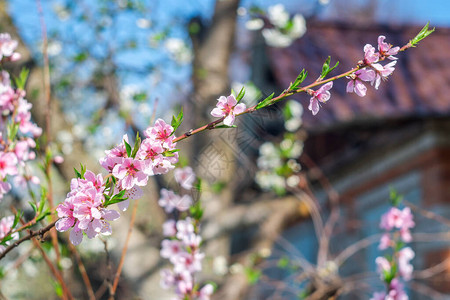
[[117, 64]]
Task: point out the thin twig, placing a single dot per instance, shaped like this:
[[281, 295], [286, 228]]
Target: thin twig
[[124, 250], [427, 214], [82, 270], [47, 92], [31, 235]]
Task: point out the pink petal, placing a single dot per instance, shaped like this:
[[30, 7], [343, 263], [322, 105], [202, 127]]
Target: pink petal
[[240, 108], [229, 120], [217, 112], [313, 106]]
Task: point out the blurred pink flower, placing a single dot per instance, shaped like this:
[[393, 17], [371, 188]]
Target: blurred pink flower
[[227, 107]]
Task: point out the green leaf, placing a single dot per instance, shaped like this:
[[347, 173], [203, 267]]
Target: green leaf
[[80, 57], [241, 94], [283, 262], [137, 144], [253, 275], [78, 174], [43, 215], [300, 78], [33, 205], [225, 126], [17, 217], [128, 147], [140, 97], [265, 102], [22, 78], [326, 67], [119, 197], [176, 121], [421, 35], [12, 130], [394, 197], [196, 211]]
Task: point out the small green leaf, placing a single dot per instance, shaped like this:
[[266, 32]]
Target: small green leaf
[[80, 57], [326, 67], [12, 130], [33, 205], [421, 35], [265, 102], [128, 147], [140, 97], [119, 197], [241, 94], [196, 211], [300, 78], [22, 78], [43, 215], [17, 217], [253, 275], [137, 144], [176, 121], [225, 126], [283, 262], [78, 174]]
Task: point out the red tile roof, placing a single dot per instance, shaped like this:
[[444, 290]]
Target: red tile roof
[[419, 87]]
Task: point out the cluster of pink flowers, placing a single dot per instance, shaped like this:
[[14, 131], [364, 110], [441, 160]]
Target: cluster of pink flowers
[[84, 209], [372, 72], [397, 224], [182, 248], [8, 47], [17, 144], [6, 224], [227, 107]]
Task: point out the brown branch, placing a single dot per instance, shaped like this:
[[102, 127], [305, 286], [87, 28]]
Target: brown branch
[[82, 270], [48, 132], [31, 235], [124, 251], [431, 271]]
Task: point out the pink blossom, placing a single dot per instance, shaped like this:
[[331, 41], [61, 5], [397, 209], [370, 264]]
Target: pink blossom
[[132, 194], [192, 241], [382, 72], [385, 242], [386, 49], [370, 56], [227, 107], [184, 227], [383, 265], [356, 81], [206, 292], [130, 173], [6, 224], [170, 201], [5, 187], [167, 278], [169, 228], [8, 164], [7, 47], [170, 249], [378, 296], [162, 133], [404, 267], [96, 180], [185, 177], [114, 156], [191, 262], [58, 159], [65, 215], [86, 207], [396, 291], [321, 95]]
